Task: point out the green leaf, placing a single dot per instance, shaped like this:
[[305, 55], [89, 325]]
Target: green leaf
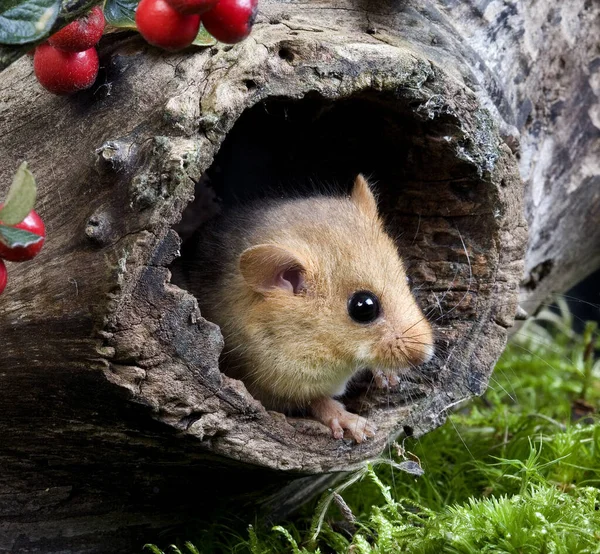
[[21, 197], [121, 13], [23, 21], [191, 548], [204, 38], [13, 237], [153, 548]]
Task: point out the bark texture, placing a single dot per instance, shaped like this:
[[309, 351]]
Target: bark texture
[[545, 58], [116, 419]]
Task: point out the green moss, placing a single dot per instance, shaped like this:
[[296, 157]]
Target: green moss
[[514, 471]]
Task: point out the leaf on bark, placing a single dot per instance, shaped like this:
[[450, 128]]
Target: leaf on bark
[[21, 197], [23, 21], [13, 237], [121, 13], [204, 38]]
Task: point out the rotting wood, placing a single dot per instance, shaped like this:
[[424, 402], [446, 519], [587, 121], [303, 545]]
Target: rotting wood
[[114, 412]]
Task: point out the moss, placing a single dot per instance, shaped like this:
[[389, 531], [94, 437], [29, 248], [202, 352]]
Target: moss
[[517, 470]]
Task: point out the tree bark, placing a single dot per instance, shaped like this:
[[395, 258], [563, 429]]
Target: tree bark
[[116, 419], [545, 61]]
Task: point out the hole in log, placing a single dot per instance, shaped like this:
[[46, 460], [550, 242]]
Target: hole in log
[[435, 204], [286, 54]]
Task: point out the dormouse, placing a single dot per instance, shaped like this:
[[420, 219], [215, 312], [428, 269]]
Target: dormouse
[[308, 292]]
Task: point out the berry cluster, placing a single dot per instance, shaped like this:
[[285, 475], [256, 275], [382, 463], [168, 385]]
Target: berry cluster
[[22, 231], [68, 62], [174, 24], [22, 252]]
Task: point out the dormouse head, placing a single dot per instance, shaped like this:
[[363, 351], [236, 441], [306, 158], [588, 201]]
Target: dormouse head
[[331, 287]]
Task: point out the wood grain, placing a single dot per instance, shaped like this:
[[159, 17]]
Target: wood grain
[[116, 421]]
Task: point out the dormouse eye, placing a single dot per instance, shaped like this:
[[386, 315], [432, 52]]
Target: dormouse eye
[[364, 307]]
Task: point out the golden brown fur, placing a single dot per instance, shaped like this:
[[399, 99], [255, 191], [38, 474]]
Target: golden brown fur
[[292, 348]]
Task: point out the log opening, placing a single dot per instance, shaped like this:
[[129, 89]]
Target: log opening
[[442, 208], [124, 346]]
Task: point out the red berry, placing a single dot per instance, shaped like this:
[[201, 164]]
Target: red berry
[[3, 277], [165, 27], [189, 7], [231, 20], [65, 72], [34, 224], [80, 34]]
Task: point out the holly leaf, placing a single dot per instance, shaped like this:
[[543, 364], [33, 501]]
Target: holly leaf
[[121, 13], [13, 237], [21, 197], [23, 21], [204, 38]]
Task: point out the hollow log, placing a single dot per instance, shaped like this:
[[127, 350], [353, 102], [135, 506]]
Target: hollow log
[[541, 63], [117, 423]]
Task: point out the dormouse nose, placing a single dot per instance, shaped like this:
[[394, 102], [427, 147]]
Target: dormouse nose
[[417, 341]]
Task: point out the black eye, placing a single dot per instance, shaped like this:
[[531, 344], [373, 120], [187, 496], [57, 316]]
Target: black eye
[[363, 307]]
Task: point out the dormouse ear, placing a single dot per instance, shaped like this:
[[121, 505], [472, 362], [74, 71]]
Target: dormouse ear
[[268, 267], [363, 198]]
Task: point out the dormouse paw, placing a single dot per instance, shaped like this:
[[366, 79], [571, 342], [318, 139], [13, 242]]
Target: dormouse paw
[[333, 414], [385, 380], [358, 427]]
